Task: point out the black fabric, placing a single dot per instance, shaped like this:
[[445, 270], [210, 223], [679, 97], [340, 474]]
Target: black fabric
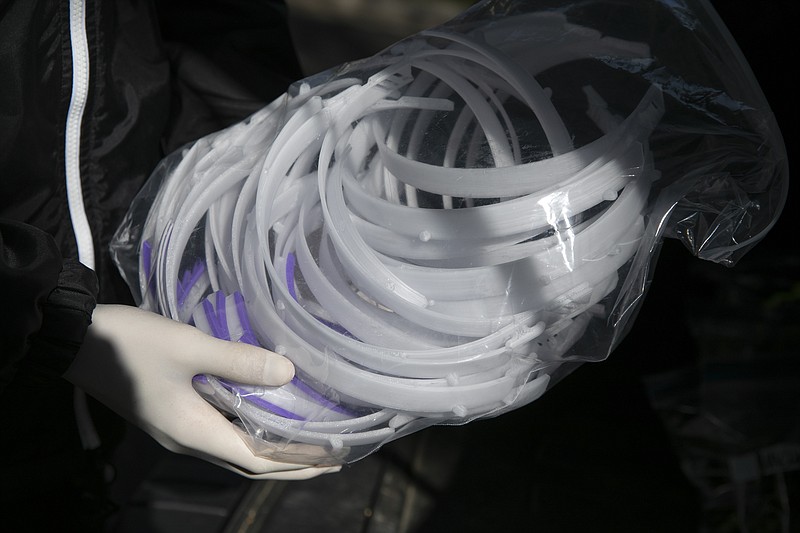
[[228, 58], [125, 117], [34, 97], [161, 74], [66, 314], [30, 263]]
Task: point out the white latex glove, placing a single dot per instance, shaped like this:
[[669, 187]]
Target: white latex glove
[[141, 365]]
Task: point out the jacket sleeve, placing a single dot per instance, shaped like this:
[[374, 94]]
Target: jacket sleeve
[[47, 304]]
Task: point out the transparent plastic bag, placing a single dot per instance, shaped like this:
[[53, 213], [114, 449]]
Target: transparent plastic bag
[[440, 232]]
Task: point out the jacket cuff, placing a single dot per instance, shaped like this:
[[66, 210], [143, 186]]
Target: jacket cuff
[[66, 315]]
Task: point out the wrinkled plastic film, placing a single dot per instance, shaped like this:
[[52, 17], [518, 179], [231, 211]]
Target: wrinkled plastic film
[[431, 233]]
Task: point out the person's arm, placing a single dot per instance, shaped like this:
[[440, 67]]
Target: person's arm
[[137, 363]]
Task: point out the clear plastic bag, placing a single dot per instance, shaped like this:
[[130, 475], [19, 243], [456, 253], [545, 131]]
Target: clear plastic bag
[[438, 233]]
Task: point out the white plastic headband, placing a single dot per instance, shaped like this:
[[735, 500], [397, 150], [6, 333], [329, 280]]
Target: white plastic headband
[[301, 230]]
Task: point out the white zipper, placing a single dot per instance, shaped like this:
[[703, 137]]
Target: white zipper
[[72, 143], [72, 167]]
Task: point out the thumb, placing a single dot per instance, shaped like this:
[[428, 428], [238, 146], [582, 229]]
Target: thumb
[[244, 363]]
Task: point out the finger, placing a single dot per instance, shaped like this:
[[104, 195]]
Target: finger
[[209, 432], [291, 475], [299, 475], [243, 363], [309, 454]]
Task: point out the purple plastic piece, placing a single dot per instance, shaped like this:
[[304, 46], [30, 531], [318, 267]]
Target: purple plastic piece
[[259, 401], [219, 331], [188, 280], [222, 316], [290, 262], [147, 263]]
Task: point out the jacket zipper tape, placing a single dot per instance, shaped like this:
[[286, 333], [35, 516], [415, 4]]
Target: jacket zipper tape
[[72, 143], [72, 159]]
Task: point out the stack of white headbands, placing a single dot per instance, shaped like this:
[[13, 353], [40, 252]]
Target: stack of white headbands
[[393, 231]]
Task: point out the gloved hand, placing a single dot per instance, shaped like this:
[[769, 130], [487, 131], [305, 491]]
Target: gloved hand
[[141, 365]]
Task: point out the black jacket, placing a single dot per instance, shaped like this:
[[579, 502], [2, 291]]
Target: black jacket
[[93, 93]]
